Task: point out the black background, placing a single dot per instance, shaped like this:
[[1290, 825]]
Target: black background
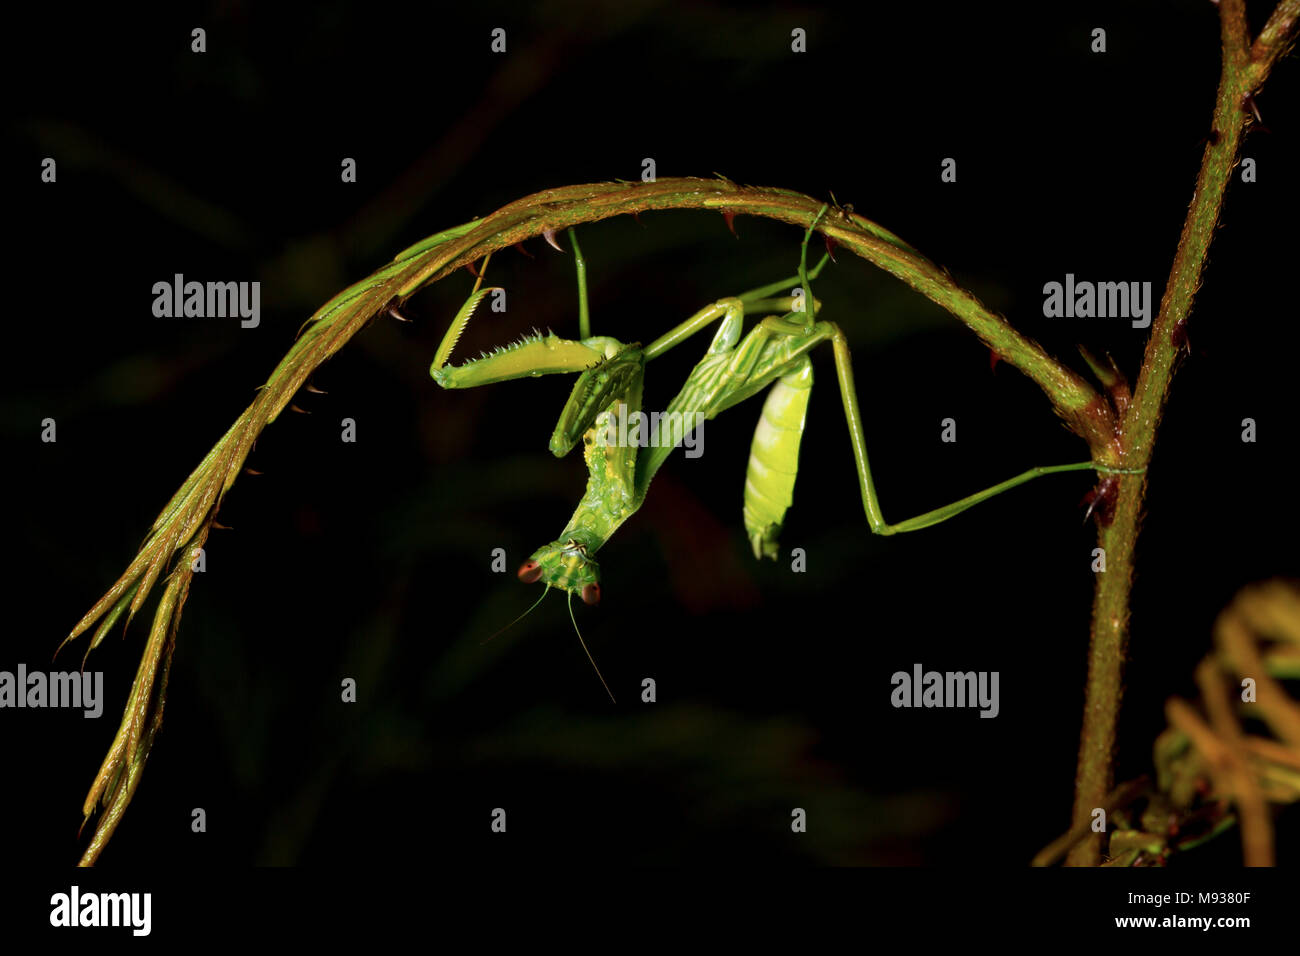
[[371, 560]]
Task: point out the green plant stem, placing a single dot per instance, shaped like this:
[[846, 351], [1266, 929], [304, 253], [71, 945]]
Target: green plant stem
[[184, 523], [1074, 399], [1244, 70], [192, 511]]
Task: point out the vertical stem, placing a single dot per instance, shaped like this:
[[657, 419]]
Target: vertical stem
[[1243, 71]]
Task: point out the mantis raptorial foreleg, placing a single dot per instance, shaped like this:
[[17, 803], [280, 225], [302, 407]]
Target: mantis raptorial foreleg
[[774, 353]]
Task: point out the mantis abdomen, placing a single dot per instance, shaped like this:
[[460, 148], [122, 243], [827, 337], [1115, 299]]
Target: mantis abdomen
[[774, 458]]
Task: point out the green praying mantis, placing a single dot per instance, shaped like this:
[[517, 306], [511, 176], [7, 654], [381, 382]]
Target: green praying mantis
[[775, 353]]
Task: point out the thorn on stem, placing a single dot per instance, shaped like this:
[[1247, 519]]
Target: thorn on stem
[[314, 390], [637, 216], [392, 310], [472, 270], [550, 237], [730, 218], [1248, 102], [520, 246], [1178, 336], [830, 246], [1102, 499], [222, 527], [300, 411], [845, 211], [251, 471], [994, 359]]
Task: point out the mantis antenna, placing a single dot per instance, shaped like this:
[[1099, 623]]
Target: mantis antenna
[[569, 601], [545, 591], [772, 357]]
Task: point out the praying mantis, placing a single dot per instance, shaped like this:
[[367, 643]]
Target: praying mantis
[[774, 353]]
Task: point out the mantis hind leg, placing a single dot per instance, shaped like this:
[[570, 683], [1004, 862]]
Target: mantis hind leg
[[871, 503], [853, 417]]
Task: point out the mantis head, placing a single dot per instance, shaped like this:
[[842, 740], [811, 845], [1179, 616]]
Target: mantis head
[[564, 565]]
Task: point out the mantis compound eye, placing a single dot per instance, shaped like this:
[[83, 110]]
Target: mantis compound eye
[[529, 572], [591, 593]]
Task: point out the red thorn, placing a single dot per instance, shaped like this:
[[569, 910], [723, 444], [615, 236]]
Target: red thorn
[[520, 247], [472, 271], [1178, 337], [251, 471], [830, 246], [550, 237], [392, 310], [314, 390], [730, 217], [1249, 101], [994, 359], [1102, 499], [223, 527], [637, 216], [300, 411]]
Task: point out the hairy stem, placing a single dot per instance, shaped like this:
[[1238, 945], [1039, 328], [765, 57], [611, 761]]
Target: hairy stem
[[1244, 70], [185, 521], [1073, 398]]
